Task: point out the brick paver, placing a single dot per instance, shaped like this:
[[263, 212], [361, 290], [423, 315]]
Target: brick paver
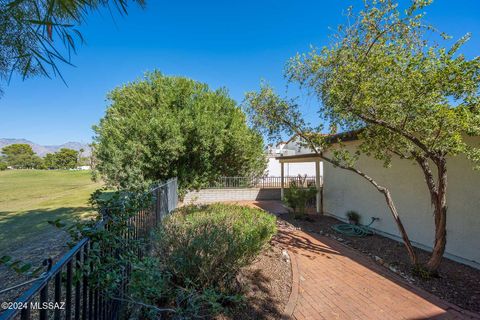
[[337, 282]]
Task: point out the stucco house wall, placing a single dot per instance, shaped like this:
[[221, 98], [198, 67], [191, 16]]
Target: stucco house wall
[[344, 190], [290, 169]]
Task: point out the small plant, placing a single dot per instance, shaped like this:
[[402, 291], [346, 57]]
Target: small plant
[[353, 217], [297, 198], [423, 273]]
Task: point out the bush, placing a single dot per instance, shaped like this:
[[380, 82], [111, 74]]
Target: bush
[[197, 256], [3, 166], [161, 127], [353, 217], [297, 198], [206, 246]]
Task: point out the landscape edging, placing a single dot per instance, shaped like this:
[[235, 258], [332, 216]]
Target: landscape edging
[[293, 298]]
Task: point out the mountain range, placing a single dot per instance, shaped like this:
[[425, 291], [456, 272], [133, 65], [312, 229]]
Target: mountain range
[[43, 150]]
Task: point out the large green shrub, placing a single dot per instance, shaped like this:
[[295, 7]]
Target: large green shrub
[[198, 254], [161, 127], [207, 245]]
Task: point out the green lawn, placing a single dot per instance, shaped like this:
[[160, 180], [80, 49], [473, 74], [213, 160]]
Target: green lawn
[[29, 198]]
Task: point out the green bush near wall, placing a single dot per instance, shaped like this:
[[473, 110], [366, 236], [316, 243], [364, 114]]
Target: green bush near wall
[[198, 254], [297, 198]]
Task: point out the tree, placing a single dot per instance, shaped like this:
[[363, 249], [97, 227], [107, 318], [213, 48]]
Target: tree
[[403, 95], [63, 159], [34, 32], [66, 158], [21, 156], [161, 127], [80, 153], [50, 161]]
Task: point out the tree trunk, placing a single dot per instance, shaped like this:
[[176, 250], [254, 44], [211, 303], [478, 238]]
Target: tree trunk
[[440, 215], [390, 203], [401, 228]]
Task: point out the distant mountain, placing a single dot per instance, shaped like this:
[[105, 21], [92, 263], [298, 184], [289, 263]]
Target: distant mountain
[[43, 150]]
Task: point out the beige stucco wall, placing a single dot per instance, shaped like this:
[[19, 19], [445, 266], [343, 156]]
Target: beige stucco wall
[[231, 194], [344, 190]]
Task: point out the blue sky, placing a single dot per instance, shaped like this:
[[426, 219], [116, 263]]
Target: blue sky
[[234, 44]]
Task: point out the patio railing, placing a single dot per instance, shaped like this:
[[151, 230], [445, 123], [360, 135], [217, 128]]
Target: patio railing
[[261, 182], [58, 294]]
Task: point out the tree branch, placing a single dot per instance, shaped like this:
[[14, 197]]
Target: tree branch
[[401, 132], [432, 187]]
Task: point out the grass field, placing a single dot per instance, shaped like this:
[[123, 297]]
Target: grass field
[[29, 198]]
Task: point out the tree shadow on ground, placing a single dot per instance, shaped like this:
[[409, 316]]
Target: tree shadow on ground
[[296, 243], [28, 231], [29, 237], [265, 308], [313, 245]]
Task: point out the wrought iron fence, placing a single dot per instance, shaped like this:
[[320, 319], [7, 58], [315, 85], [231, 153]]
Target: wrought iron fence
[[261, 182], [61, 294]]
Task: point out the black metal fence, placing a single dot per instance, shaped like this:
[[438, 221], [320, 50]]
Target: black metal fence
[[261, 182], [60, 293]]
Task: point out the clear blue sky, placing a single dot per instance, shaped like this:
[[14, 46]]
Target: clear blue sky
[[223, 43]]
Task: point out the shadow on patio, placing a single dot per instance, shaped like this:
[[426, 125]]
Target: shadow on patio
[[337, 282]]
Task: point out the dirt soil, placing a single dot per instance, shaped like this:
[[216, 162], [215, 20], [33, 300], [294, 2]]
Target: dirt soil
[[267, 285], [456, 283], [35, 253]]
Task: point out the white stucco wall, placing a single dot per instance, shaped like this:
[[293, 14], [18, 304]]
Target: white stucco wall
[[344, 190], [291, 169], [296, 144]]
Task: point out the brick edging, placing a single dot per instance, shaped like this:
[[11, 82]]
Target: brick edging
[[293, 298]]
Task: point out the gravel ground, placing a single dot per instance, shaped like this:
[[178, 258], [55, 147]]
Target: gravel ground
[[457, 283]]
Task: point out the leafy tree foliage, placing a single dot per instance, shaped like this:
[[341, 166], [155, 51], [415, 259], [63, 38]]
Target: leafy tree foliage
[[63, 159], [402, 94], [21, 156], [160, 127], [34, 32]]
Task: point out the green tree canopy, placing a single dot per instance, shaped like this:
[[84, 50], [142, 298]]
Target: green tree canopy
[[66, 158], [404, 95], [63, 159], [160, 127], [21, 156], [50, 161]]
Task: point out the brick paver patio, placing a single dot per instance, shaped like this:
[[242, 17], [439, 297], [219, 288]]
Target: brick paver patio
[[337, 282]]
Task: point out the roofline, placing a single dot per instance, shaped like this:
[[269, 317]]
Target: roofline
[[344, 136], [300, 156]]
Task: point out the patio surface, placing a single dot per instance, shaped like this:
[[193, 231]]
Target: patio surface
[[333, 281]]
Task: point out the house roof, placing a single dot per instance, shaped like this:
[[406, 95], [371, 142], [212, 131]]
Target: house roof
[[344, 136], [332, 138], [304, 157]]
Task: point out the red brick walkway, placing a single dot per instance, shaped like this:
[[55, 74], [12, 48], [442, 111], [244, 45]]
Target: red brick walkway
[[337, 282]]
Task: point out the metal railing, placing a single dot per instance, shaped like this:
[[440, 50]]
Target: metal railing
[[58, 294], [261, 182]]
